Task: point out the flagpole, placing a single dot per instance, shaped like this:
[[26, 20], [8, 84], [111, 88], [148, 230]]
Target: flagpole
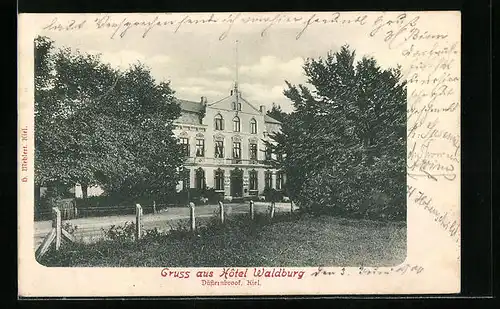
[[237, 65]]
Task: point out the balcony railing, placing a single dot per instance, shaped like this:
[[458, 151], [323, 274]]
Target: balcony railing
[[225, 161]]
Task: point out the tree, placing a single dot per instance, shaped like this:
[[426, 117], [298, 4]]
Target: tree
[[153, 150], [96, 125], [345, 143], [277, 113]]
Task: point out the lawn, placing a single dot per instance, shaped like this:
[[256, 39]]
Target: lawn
[[287, 241]]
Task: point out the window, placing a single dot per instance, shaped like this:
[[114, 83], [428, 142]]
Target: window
[[253, 151], [186, 179], [253, 181], [253, 126], [280, 181], [219, 179], [238, 105], [279, 157], [268, 153], [219, 122], [200, 147], [200, 179], [268, 180], [236, 150], [236, 124], [185, 146], [219, 149]]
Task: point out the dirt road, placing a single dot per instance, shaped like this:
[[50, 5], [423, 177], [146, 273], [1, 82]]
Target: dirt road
[[89, 229]]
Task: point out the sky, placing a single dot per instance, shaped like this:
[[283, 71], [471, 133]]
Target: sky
[[198, 63]]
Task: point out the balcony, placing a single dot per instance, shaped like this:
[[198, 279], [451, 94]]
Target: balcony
[[225, 161]]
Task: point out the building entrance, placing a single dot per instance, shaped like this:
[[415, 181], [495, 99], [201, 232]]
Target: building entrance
[[237, 183]]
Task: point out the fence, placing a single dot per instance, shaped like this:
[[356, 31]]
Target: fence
[[55, 236], [66, 206], [69, 210], [58, 233], [73, 212]]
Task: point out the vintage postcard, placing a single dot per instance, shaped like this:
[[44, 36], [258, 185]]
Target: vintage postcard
[[225, 154]]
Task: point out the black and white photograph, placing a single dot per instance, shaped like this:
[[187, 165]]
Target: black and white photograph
[[247, 145]]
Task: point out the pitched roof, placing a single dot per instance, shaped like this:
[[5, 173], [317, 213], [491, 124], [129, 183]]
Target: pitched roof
[[197, 107], [190, 106], [230, 99], [270, 119]]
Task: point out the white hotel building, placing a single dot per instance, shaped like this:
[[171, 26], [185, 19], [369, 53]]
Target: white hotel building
[[224, 148]]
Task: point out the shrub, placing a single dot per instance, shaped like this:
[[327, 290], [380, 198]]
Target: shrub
[[179, 228], [212, 196], [154, 234], [199, 196], [70, 228], [120, 233], [273, 195]]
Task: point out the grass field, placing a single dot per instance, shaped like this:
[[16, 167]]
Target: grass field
[[299, 241]]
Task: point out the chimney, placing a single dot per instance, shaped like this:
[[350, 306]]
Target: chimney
[[263, 109]]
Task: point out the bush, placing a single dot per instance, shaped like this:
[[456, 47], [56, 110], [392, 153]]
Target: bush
[[120, 233], [66, 205], [273, 195], [198, 196], [356, 192], [104, 201], [210, 195], [70, 228]]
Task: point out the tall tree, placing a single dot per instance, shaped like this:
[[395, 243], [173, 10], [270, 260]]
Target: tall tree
[[147, 112], [345, 143], [95, 125], [277, 113]]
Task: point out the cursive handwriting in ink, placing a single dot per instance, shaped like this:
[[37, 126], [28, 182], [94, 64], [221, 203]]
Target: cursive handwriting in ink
[[231, 21], [56, 25]]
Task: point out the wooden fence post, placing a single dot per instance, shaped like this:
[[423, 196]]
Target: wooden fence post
[[251, 210], [221, 212], [291, 206], [138, 221], [44, 247], [56, 234], [272, 209], [56, 223], [192, 217]]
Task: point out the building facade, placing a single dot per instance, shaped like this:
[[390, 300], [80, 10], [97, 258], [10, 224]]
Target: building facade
[[223, 142]]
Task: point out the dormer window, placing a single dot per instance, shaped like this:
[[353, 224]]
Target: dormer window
[[236, 124]]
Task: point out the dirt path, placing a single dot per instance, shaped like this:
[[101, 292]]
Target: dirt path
[[89, 229]]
